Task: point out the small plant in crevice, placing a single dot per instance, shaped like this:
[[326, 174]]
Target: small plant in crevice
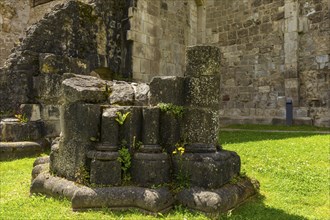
[[82, 176], [125, 159], [176, 110], [182, 177], [21, 118], [122, 117], [136, 144]]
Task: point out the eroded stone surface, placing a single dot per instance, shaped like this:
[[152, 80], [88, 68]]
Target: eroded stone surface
[[208, 170], [218, 200], [14, 130], [121, 93], [147, 200], [85, 88], [167, 89], [151, 200], [13, 150]]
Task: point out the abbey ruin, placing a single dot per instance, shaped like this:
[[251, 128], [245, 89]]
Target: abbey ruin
[[272, 51], [130, 94]]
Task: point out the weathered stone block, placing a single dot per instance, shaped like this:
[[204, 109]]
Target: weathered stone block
[[150, 200], [75, 116], [49, 185], [121, 93], [130, 130], [85, 88], [15, 150], [141, 96], [167, 89], [200, 125], [47, 88], [203, 91], [13, 130], [219, 200], [76, 141], [203, 61], [31, 111], [53, 64], [50, 112], [109, 127], [150, 169], [105, 169], [41, 160], [150, 125], [170, 130], [40, 168], [199, 167], [52, 128]]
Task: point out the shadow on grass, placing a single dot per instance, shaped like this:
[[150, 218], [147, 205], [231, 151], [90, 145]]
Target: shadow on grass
[[230, 137], [255, 209]]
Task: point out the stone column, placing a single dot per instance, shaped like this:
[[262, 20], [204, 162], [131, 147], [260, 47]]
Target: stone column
[[291, 43], [109, 131], [201, 21], [150, 165]]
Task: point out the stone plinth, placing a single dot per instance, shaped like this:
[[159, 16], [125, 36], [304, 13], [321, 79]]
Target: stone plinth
[[152, 168], [207, 170], [104, 168]]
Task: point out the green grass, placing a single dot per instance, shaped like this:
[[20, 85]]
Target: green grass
[[292, 168], [15, 202], [278, 127], [293, 171]]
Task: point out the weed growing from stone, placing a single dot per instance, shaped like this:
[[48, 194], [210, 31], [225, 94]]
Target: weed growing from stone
[[176, 110], [136, 144], [122, 117], [82, 176], [21, 118], [182, 177], [125, 160]]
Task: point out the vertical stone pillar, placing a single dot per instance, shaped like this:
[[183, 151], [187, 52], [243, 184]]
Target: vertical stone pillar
[[150, 165], [109, 131], [291, 43], [150, 126], [201, 21], [202, 95], [105, 168]]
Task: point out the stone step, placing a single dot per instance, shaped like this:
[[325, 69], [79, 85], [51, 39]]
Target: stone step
[[14, 130], [15, 150]]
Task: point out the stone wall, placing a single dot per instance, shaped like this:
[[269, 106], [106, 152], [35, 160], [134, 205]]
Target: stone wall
[[273, 51], [14, 16], [313, 59], [73, 37], [160, 31]]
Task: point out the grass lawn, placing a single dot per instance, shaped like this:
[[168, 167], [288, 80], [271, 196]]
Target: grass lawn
[[292, 168]]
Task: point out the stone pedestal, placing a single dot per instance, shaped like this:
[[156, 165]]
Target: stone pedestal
[[130, 130], [150, 168], [208, 170], [105, 169], [109, 131]]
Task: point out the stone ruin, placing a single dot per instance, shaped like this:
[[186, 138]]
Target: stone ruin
[[169, 113], [122, 144]]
